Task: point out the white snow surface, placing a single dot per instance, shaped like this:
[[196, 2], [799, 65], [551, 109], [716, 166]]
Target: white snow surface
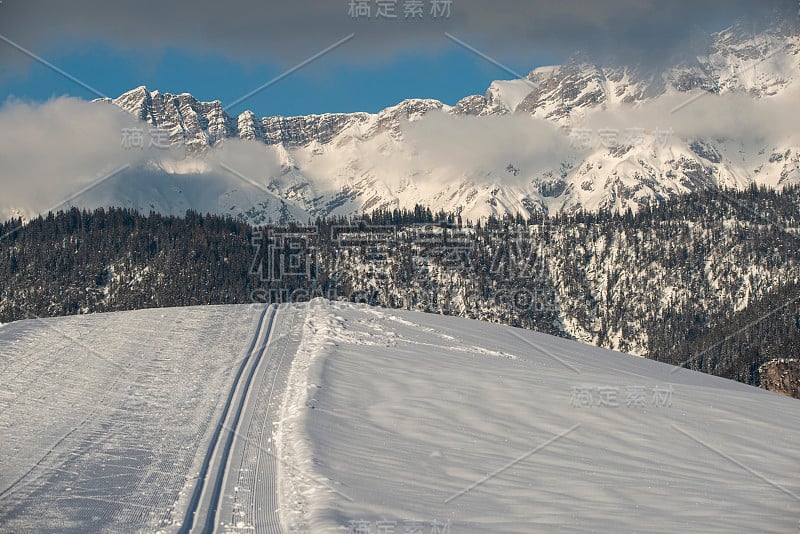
[[105, 419], [469, 427], [509, 93], [378, 418]]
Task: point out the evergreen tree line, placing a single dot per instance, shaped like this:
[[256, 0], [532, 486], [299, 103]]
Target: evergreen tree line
[[693, 281]]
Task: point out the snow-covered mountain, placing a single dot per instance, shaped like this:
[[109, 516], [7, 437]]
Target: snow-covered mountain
[[568, 137]]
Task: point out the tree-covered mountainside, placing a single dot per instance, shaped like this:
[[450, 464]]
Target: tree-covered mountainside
[[709, 280]]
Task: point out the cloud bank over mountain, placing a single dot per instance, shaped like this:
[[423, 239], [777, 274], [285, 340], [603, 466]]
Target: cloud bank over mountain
[[480, 163]]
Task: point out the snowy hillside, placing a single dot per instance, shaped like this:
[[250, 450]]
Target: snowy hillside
[[106, 418], [349, 417], [492, 429]]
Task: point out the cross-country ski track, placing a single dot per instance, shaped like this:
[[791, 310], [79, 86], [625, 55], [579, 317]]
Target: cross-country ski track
[[331, 417], [167, 427], [206, 507]]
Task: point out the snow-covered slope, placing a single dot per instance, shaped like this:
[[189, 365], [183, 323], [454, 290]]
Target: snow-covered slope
[[574, 136], [409, 417], [381, 419], [106, 418]]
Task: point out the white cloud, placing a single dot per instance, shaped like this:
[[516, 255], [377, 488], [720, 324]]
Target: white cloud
[[731, 116], [477, 145], [54, 149], [51, 150]]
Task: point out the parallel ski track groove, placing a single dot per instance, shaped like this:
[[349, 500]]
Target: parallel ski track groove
[[251, 477], [216, 441]]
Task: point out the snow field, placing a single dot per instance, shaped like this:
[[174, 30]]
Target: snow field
[[105, 418], [398, 417], [370, 418]]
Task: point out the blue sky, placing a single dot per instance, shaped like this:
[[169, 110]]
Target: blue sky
[[330, 84], [217, 51]]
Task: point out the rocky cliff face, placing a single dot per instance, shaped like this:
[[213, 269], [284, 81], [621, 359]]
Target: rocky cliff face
[[205, 124], [781, 376], [188, 121], [759, 65]]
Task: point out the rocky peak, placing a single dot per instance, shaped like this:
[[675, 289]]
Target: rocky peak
[[760, 65]]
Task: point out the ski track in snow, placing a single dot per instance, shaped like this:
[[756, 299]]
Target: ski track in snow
[[209, 497], [112, 439], [350, 413], [250, 503]]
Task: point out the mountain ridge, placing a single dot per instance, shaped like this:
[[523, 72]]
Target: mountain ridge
[[705, 74], [346, 163]]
